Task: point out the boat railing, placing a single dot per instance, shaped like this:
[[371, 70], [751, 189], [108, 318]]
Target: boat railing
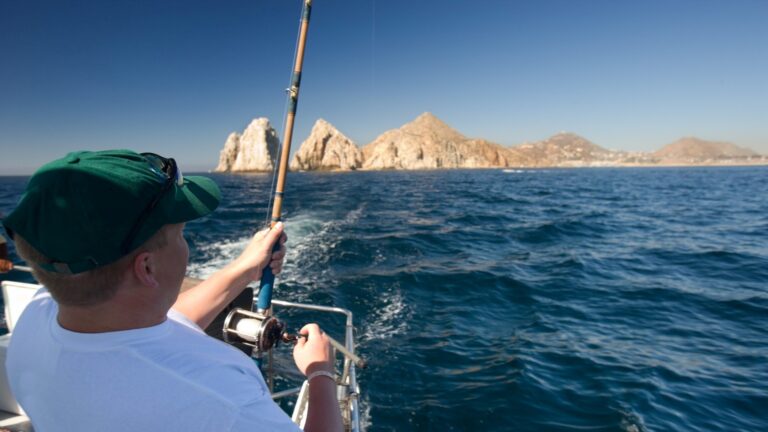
[[347, 384]]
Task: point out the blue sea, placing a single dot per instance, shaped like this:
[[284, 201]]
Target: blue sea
[[526, 300]]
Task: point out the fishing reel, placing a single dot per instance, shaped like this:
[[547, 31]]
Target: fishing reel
[[262, 333], [256, 330]]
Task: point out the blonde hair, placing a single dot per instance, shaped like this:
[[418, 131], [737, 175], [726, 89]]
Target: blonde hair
[[91, 287]]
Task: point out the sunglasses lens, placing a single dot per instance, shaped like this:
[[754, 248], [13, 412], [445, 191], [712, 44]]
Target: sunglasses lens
[[166, 166], [156, 162]]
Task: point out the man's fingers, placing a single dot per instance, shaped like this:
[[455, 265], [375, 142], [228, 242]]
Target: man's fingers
[[274, 234], [310, 330], [261, 234], [300, 342], [280, 254], [270, 235], [276, 268]]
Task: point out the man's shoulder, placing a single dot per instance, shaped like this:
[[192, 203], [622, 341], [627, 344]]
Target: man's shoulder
[[40, 307], [182, 319], [42, 295]]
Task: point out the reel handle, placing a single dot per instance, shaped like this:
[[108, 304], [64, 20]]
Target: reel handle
[[359, 362]]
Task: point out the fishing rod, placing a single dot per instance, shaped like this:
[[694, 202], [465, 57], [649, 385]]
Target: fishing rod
[[264, 302], [260, 329], [266, 329]]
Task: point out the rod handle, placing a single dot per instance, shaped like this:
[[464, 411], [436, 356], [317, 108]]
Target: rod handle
[[265, 289], [267, 283]]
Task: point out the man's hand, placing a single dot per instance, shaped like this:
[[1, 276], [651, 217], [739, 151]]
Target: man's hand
[[313, 352], [208, 298], [258, 254], [5, 266]]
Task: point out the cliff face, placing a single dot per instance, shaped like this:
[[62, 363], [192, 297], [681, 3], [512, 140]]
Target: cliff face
[[327, 149], [427, 143], [255, 149], [694, 149]]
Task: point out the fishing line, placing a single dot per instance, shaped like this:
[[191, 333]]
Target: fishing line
[[373, 46]]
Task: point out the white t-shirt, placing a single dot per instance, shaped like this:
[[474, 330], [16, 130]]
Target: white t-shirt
[[169, 377]]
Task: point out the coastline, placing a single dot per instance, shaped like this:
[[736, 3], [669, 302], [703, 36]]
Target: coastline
[[763, 162]]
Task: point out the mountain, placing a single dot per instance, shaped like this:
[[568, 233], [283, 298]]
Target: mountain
[[427, 142], [255, 149], [327, 149], [692, 149], [563, 149]]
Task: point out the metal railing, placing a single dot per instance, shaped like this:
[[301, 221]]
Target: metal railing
[[349, 374]]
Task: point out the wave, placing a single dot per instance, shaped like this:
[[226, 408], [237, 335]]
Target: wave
[[386, 320]]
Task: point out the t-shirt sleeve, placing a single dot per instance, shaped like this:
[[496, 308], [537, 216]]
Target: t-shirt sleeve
[[179, 317], [263, 414]]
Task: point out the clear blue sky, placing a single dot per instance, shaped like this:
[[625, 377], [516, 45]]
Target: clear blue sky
[[176, 77]]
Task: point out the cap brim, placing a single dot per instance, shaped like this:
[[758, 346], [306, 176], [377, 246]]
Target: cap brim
[[198, 197]]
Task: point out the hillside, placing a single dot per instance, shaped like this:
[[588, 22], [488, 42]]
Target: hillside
[[563, 149], [689, 149], [426, 143]]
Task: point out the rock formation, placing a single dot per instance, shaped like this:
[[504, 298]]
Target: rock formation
[[427, 143], [327, 149], [691, 149], [255, 149]]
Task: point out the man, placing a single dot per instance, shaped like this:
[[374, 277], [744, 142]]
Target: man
[[110, 344]]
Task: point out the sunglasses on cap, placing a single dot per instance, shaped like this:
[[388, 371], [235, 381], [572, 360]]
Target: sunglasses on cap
[[167, 168]]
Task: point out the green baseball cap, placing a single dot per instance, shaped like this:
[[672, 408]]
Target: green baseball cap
[[89, 209]]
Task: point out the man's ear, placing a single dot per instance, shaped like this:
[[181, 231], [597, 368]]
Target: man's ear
[[145, 269]]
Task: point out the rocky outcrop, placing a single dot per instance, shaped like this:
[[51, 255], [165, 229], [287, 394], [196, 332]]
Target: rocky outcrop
[[256, 149], [692, 149], [327, 149], [427, 143]]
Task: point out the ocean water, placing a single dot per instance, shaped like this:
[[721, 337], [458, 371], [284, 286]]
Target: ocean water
[[527, 300]]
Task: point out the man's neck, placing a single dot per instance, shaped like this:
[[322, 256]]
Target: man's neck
[[122, 312]]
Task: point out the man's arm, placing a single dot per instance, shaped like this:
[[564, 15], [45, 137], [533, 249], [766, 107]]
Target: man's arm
[[314, 353], [203, 302]]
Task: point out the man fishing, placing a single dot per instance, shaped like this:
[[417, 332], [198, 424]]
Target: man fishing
[[110, 343]]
